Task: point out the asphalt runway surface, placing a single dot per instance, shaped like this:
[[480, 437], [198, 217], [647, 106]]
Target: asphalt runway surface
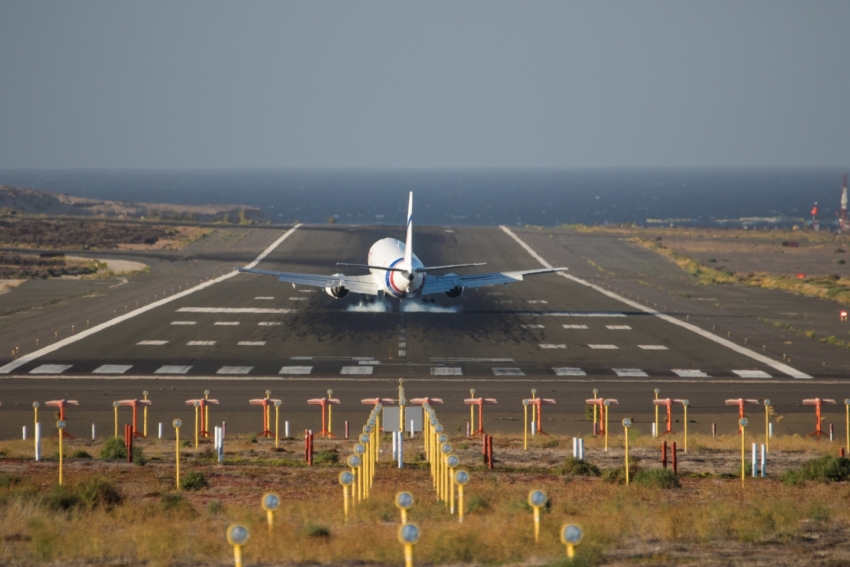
[[247, 333]]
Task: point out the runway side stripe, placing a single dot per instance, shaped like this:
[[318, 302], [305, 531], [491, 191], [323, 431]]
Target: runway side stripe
[[112, 322], [784, 368]]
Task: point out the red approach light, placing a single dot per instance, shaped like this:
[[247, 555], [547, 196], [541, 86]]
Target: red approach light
[[843, 315]]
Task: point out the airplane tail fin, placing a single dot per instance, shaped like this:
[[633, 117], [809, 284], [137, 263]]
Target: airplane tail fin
[[408, 244]]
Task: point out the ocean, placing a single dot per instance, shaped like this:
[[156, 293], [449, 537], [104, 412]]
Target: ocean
[[547, 197]]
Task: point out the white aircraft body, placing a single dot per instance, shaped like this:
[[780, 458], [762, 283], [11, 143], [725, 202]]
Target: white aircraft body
[[395, 271]]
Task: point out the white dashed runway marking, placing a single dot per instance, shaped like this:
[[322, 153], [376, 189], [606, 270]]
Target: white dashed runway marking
[[551, 346], [532, 327], [630, 372], [508, 372], [251, 343], [446, 371], [402, 353], [167, 369], [402, 345], [618, 327], [297, 298], [184, 322], [268, 323], [538, 301], [232, 310], [264, 297], [112, 369], [356, 370], [653, 347], [151, 343], [296, 370], [575, 326], [604, 347], [578, 314], [437, 359], [375, 362], [51, 369], [752, 374], [200, 343], [226, 323], [684, 373], [564, 371], [234, 370]]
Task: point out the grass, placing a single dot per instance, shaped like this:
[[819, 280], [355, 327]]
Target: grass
[[111, 513]]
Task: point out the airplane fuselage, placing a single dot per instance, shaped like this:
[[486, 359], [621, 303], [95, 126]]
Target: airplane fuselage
[[389, 253]]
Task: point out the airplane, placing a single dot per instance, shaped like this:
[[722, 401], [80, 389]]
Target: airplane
[[395, 271]]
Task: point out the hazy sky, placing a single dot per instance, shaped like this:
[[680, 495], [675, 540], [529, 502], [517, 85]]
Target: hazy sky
[[183, 84]]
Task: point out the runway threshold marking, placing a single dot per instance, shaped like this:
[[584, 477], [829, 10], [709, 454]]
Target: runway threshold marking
[[6, 369], [112, 369], [564, 371], [685, 373], [51, 369], [508, 372], [446, 371], [784, 368]]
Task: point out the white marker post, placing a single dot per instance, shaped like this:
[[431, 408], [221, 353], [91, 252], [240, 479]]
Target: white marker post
[[25, 432], [38, 441], [160, 430], [755, 459], [411, 429], [93, 432], [286, 429], [575, 447], [395, 447], [400, 449], [763, 460]]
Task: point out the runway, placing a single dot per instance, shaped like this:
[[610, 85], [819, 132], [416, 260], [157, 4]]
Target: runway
[[243, 333]]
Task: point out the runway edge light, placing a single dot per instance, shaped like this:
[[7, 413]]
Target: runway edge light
[[237, 536]]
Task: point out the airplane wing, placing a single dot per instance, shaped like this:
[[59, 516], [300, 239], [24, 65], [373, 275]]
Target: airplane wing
[[442, 284], [357, 284]]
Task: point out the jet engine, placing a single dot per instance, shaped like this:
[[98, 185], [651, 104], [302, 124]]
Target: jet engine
[[336, 292], [455, 291]]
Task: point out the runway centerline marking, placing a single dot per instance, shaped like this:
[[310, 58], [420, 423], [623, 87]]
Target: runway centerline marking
[[184, 322], [575, 326], [550, 346], [226, 323], [269, 323], [251, 343], [653, 347], [264, 298], [784, 368], [151, 343], [604, 347], [618, 327], [200, 343], [6, 369]]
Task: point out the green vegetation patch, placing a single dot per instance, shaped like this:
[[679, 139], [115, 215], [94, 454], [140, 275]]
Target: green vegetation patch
[[578, 467], [824, 469]]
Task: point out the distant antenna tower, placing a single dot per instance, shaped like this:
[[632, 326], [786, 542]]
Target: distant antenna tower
[[842, 216]]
